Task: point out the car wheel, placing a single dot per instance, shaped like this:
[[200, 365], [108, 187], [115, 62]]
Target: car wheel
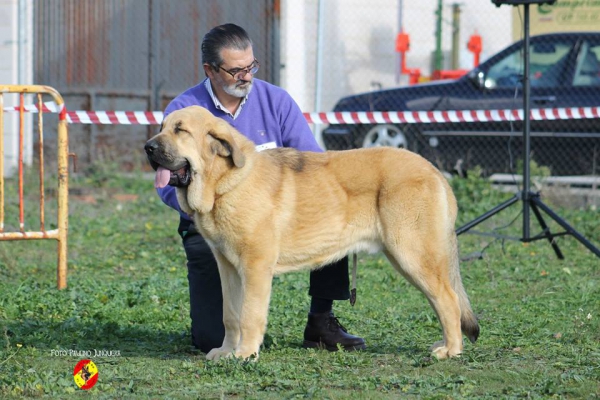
[[383, 135]]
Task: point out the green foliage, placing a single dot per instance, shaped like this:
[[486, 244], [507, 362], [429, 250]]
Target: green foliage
[[475, 195], [127, 293], [536, 171]]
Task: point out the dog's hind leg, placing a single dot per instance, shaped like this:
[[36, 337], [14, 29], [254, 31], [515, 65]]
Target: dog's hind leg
[[428, 270], [231, 285]]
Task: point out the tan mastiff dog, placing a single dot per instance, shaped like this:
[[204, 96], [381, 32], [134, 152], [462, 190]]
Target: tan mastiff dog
[[281, 210]]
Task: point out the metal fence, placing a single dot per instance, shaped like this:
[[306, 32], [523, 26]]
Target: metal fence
[[137, 55], [59, 226]]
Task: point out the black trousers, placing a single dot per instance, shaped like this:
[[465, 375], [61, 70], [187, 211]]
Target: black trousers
[[206, 298]]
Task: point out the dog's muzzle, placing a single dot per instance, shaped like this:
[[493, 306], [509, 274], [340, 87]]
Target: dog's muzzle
[[178, 177]]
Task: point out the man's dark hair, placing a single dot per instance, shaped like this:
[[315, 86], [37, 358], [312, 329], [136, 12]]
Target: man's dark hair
[[227, 36]]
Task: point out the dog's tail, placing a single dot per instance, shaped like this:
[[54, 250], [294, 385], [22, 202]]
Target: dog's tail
[[468, 320]]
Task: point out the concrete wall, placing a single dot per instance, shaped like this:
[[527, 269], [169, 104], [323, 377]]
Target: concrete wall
[[15, 68]]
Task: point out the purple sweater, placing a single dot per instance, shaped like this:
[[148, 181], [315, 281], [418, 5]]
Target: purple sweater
[[269, 117]]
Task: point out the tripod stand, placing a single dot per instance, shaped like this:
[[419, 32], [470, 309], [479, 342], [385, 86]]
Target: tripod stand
[[531, 201]]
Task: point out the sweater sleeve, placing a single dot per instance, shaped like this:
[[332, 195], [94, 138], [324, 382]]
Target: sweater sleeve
[[169, 197], [295, 130]]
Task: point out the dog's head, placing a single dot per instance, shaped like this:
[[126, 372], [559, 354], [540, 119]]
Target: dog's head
[[189, 140]]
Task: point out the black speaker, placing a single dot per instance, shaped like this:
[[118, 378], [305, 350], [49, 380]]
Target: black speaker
[[498, 3]]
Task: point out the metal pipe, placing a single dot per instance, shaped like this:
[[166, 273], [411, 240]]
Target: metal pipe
[[21, 151], [63, 193], [53, 234], [319, 63], [319, 67], [21, 10], [455, 35], [399, 57], [526, 128], [275, 50], [438, 38], [151, 58], [41, 161]]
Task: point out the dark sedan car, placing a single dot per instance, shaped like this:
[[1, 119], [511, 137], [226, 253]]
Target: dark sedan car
[[564, 72]]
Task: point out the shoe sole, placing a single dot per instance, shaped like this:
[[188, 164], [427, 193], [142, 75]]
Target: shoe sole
[[307, 344]]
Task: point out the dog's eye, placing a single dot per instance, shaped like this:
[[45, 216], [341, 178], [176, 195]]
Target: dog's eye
[[177, 128]]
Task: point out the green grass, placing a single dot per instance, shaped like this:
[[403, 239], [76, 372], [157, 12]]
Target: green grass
[[127, 293]]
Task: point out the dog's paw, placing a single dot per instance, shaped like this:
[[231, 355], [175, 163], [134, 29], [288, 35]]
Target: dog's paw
[[442, 352], [219, 353]]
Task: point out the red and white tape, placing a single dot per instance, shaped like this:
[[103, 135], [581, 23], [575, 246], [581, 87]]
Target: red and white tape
[[436, 117], [342, 118]]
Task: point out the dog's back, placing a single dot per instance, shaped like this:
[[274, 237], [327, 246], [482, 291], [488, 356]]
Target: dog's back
[[340, 202]]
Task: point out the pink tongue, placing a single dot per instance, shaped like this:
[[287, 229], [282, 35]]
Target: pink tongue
[[162, 178]]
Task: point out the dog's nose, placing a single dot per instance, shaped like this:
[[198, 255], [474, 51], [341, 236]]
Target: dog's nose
[[151, 146]]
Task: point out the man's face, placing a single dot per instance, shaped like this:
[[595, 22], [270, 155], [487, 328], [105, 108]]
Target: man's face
[[238, 63]]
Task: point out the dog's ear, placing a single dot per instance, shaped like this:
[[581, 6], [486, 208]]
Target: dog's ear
[[224, 144]]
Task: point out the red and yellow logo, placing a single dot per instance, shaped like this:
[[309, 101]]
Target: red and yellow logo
[[85, 374]]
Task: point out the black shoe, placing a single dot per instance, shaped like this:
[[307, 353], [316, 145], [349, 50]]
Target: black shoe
[[324, 331]]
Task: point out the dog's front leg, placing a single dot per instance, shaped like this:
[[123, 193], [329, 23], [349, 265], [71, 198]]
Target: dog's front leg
[[231, 285], [257, 284]]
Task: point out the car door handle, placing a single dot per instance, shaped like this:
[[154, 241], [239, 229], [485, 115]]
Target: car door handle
[[543, 99]]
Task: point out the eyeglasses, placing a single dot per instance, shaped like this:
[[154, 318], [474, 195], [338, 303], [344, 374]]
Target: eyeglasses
[[239, 73]]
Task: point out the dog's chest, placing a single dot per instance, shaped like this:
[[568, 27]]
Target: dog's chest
[[219, 232]]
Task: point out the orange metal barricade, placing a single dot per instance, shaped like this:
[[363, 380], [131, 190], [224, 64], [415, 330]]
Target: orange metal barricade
[[59, 234]]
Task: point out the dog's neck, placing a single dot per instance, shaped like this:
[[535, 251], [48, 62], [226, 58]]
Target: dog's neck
[[220, 177]]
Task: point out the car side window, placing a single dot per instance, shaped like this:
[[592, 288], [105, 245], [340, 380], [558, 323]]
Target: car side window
[[547, 62], [587, 69]]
